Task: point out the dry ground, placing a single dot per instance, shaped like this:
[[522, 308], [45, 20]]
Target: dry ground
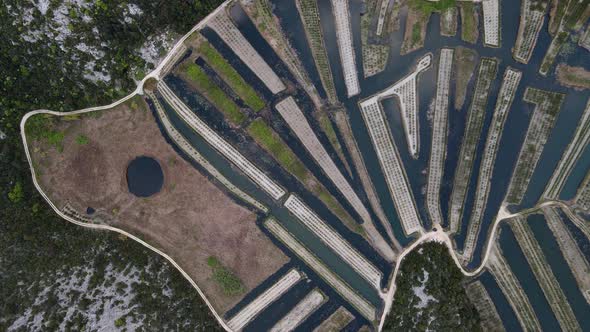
[[190, 219], [573, 77]]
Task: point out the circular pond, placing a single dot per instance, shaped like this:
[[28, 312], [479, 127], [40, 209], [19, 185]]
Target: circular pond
[[144, 176]]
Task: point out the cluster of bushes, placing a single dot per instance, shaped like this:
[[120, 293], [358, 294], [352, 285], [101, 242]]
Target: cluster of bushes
[[449, 310], [229, 282]]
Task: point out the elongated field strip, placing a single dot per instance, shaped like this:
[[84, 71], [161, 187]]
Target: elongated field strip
[[300, 312], [345, 47], [197, 157], [439, 135], [570, 250], [260, 12], [382, 15], [391, 165], [570, 157], [296, 120], [364, 307], [230, 34], [505, 97], [334, 241], [487, 73], [583, 195], [528, 32], [336, 322], [244, 316], [490, 319], [491, 22], [226, 149], [547, 107], [310, 15], [513, 291], [544, 275]]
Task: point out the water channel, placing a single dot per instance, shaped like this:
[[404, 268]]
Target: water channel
[[397, 67]]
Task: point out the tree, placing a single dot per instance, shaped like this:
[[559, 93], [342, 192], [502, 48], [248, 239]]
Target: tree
[[16, 195]]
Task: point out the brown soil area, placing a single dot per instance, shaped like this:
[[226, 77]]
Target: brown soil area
[[464, 66], [190, 219], [415, 33], [573, 77]]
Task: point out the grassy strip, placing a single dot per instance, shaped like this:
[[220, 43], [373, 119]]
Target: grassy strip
[[326, 125], [266, 137], [214, 94], [577, 14], [229, 282], [428, 6], [310, 15], [270, 141], [557, 14], [552, 52], [469, 22], [547, 106], [465, 62], [231, 77]]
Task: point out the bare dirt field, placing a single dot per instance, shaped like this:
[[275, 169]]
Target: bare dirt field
[[415, 33], [573, 77], [190, 219]]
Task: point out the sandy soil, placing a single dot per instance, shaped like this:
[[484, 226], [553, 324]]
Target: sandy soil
[[190, 218]]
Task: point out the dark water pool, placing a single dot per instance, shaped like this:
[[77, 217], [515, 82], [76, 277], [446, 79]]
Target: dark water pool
[[144, 176]]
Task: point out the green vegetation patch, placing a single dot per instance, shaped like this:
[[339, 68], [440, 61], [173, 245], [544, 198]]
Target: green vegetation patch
[[264, 135], [231, 77], [448, 308], [229, 282], [215, 95], [416, 33], [82, 140], [40, 127], [270, 141], [556, 45], [577, 14], [428, 7], [16, 194], [469, 22]]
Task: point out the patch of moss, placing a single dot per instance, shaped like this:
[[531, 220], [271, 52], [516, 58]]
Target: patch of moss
[[214, 94], [231, 77], [229, 282], [270, 141], [82, 140]]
